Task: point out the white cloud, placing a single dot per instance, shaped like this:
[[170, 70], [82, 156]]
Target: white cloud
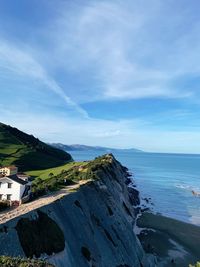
[[108, 134], [119, 134], [126, 50], [15, 60], [117, 46]]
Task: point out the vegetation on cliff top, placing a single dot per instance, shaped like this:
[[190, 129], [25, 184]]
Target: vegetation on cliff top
[[55, 178], [196, 265], [72, 173], [19, 262], [48, 165], [28, 152], [46, 173]]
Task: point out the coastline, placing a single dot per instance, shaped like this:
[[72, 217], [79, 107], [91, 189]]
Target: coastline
[[175, 243]]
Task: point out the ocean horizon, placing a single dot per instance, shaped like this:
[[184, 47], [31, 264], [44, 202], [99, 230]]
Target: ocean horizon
[[167, 179]]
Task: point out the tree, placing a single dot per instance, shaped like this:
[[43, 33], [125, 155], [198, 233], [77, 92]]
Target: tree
[[196, 265]]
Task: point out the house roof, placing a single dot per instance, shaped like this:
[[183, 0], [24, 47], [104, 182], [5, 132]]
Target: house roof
[[12, 167], [22, 174], [15, 179]]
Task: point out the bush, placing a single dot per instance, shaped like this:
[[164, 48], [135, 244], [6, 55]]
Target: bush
[[196, 265], [4, 205], [52, 183], [6, 261], [72, 175]]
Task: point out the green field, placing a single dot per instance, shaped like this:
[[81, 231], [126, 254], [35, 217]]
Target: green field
[[27, 152], [10, 147], [44, 174], [53, 179]]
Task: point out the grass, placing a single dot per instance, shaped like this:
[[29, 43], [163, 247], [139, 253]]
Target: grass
[[53, 179], [27, 152], [44, 174], [9, 144], [196, 265], [6, 261]]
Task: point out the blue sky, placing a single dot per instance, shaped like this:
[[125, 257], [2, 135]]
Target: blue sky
[[111, 73]]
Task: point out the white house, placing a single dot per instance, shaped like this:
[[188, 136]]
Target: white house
[[10, 170], [15, 187]]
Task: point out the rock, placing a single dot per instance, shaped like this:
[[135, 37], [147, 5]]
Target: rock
[[134, 196], [145, 209], [137, 211], [96, 221], [196, 194], [128, 181]]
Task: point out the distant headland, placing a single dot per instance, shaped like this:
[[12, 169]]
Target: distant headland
[[78, 147]]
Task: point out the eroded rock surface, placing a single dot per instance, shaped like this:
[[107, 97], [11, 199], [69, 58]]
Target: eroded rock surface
[[96, 221]]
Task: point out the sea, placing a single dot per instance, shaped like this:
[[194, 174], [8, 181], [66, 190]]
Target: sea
[[167, 179]]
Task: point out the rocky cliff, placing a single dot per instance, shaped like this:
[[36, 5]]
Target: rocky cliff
[[90, 227]]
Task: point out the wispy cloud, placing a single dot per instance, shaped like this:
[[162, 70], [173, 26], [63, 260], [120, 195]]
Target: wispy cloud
[[125, 46], [133, 133], [106, 51], [108, 134], [15, 60]]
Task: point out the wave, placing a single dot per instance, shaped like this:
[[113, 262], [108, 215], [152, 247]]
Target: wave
[[193, 189], [183, 186]]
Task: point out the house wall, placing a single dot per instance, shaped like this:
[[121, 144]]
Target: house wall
[[8, 171], [15, 191], [22, 188]]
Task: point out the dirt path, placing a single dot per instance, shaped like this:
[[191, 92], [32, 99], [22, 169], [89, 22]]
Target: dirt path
[[42, 201]]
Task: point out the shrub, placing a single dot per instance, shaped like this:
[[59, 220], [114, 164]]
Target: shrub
[[6, 261], [196, 265], [4, 205]]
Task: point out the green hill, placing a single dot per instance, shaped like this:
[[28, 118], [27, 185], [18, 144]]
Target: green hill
[[28, 152]]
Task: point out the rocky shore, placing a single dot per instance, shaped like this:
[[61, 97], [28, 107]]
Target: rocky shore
[[94, 224], [167, 242], [173, 242]]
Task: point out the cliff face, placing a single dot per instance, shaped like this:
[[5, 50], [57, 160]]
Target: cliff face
[[94, 225]]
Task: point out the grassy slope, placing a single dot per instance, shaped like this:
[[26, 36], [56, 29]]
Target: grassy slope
[[44, 174], [28, 152], [68, 174]]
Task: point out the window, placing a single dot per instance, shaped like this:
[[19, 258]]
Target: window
[[9, 185], [1, 197], [9, 197]]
